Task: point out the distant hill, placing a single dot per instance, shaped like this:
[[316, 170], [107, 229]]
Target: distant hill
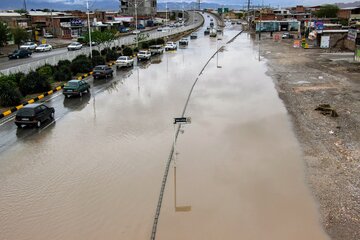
[[344, 5]]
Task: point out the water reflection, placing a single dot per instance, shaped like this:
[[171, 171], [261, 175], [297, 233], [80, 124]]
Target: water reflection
[[77, 103]]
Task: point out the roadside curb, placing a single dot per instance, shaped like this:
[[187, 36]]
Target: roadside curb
[[33, 100]]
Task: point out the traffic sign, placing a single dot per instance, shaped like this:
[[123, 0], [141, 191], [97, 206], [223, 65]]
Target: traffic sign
[[182, 120]]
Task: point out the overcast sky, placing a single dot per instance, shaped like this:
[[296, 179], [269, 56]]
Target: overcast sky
[[114, 4]]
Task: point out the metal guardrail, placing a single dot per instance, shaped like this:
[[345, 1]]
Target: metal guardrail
[[128, 40]]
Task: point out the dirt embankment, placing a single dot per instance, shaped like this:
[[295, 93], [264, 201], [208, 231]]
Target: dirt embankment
[[331, 144]]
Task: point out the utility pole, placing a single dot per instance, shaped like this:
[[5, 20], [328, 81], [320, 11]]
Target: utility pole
[[248, 10], [25, 7], [89, 27]]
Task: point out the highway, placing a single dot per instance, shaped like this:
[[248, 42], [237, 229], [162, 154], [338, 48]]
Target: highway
[[5, 63], [96, 171]]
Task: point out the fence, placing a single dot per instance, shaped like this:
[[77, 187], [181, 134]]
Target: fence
[[128, 40]]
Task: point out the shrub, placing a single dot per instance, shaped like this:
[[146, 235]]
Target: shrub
[[127, 51], [16, 77], [95, 53], [135, 50], [83, 65], [80, 57], [104, 51], [152, 42], [160, 41], [63, 74], [34, 83], [145, 45], [9, 93], [64, 63], [111, 56], [46, 71], [97, 60]]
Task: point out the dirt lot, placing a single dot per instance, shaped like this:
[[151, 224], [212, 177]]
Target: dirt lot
[[331, 145]]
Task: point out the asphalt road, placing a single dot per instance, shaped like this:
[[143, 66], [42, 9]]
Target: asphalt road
[[5, 63], [95, 172]]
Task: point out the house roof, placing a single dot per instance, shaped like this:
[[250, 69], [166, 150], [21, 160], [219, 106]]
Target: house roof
[[9, 14], [350, 8], [41, 13]]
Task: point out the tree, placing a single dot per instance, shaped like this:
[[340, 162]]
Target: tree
[[328, 11], [105, 37], [4, 34], [20, 35]]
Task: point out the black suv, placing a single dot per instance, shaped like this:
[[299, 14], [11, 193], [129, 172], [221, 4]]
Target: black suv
[[34, 115], [21, 53]]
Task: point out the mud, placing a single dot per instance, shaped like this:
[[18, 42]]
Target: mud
[[306, 79]]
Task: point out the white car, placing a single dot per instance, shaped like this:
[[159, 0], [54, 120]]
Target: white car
[[144, 55], [29, 46], [124, 61], [74, 46], [184, 42], [156, 49], [48, 35], [136, 32], [170, 46], [43, 48]]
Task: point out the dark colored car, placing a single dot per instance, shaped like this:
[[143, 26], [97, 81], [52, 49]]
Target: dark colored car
[[34, 114], [20, 53], [76, 88], [102, 71]]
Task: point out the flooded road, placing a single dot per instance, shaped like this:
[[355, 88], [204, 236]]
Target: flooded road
[[96, 173]]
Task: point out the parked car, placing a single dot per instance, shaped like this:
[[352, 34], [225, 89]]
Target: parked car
[[144, 55], [156, 49], [102, 71], [28, 46], [287, 35], [43, 48], [124, 30], [211, 24], [170, 46], [183, 42], [20, 53], [136, 32], [34, 114], [124, 61], [193, 36], [75, 88], [74, 46], [48, 35]]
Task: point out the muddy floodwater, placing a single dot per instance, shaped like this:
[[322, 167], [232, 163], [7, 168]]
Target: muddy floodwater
[[96, 173]]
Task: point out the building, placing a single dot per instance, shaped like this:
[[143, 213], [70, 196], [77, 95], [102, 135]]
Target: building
[[276, 26], [143, 8], [351, 14], [13, 20]]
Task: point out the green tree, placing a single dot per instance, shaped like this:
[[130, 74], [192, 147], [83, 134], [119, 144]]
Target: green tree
[[4, 34], [328, 11], [20, 35], [105, 37]]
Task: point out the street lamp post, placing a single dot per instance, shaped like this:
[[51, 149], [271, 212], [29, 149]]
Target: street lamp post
[[89, 27], [217, 52]]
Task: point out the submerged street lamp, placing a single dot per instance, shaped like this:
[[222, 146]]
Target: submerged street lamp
[[180, 121]]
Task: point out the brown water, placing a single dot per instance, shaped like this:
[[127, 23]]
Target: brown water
[[96, 174]]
